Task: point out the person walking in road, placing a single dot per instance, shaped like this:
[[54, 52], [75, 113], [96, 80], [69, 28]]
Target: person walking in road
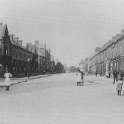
[[79, 78], [7, 76], [82, 76]]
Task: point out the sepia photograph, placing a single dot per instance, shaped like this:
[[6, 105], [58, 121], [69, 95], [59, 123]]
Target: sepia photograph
[[61, 61]]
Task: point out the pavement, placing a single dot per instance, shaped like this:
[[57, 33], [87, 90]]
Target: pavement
[[14, 81]]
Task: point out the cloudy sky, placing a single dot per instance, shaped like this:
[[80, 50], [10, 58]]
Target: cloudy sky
[[71, 28]]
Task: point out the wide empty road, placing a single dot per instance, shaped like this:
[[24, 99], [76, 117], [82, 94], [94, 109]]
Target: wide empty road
[[57, 100]]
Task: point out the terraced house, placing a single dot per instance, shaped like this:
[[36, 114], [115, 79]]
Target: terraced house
[[22, 60], [110, 57]]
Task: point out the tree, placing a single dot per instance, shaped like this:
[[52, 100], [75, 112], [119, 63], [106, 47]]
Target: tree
[[59, 68]]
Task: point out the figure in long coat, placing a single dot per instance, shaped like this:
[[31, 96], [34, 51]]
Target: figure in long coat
[[115, 76], [80, 78], [7, 76]]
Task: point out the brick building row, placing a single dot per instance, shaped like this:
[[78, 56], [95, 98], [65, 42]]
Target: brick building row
[[20, 60], [109, 57]]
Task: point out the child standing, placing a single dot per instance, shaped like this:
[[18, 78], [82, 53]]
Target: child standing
[[119, 86]]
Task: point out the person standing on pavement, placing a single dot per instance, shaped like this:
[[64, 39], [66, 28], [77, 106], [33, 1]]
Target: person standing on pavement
[[119, 86], [115, 75], [7, 76]]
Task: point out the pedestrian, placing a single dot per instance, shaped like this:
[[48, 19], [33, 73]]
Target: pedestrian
[[27, 78], [96, 74], [82, 76], [115, 75], [79, 78], [7, 76], [109, 74], [119, 86]]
